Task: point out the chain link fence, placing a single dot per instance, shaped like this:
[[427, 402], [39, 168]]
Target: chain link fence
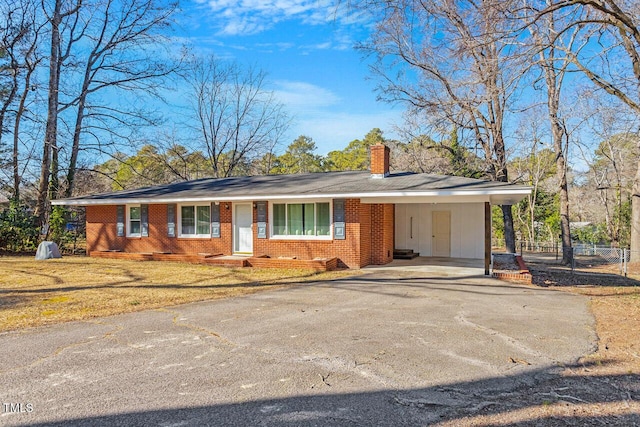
[[550, 248], [587, 258], [603, 259]]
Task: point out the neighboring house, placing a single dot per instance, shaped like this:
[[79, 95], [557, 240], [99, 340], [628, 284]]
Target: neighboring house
[[358, 218]]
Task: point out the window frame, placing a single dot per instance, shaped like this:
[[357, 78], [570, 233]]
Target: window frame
[[274, 236], [195, 206], [128, 220]]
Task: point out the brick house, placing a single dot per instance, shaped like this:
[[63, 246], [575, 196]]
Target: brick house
[[353, 218]]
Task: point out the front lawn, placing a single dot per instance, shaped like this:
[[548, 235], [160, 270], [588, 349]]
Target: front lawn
[[34, 293]]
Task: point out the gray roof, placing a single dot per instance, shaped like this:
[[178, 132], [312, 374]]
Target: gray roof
[[328, 184]]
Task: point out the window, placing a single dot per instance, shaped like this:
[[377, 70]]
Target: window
[[301, 219], [203, 215], [134, 214], [195, 221]]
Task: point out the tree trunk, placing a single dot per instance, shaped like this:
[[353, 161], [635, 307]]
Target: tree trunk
[[509, 231], [52, 116], [16, 137], [565, 225], [502, 176], [75, 148], [3, 111], [54, 179], [561, 174], [635, 217]]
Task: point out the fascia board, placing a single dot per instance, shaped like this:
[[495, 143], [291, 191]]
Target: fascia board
[[519, 194]]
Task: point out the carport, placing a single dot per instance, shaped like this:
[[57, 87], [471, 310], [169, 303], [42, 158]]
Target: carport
[[454, 223], [445, 230]]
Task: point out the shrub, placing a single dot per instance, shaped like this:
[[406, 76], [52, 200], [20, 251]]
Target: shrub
[[18, 228], [59, 230]]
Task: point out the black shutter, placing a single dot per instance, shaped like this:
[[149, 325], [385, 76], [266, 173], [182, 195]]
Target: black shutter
[[120, 220], [215, 220], [339, 230], [171, 220], [144, 220]]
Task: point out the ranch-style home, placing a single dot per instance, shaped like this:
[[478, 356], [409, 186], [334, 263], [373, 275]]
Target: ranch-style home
[[326, 220]]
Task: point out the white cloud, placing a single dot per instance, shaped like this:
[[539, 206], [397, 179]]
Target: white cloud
[[324, 116], [333, 131], [304, 97], [247, 17]]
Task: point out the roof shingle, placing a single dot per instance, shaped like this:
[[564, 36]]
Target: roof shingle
[[325, 184]]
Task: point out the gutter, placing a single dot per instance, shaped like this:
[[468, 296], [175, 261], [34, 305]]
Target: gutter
[[162, 200]]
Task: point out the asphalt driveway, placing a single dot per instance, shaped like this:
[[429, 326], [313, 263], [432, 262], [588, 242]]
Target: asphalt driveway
[[385, 348]]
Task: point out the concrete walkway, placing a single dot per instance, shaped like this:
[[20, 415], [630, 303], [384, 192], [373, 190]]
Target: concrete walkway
[[435, 266], [387, 348]]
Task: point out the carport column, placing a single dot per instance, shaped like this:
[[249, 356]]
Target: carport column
[[487, 237]]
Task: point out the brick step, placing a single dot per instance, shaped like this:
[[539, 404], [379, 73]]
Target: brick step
[[404, 254], [324, 264], [157, 256], [219, 260], [153, 256], [138, 256], [226, 261]]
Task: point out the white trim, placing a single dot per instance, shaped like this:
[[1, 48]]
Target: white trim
[[507, 194], [273, 236], [127, 216], [195, 213]]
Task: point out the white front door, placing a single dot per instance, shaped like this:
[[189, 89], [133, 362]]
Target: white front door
[[441, 228], [243, 231]]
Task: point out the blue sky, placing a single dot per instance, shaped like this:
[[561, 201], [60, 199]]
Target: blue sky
[[306, 47]]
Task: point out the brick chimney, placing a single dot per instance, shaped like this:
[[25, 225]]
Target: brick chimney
[[379, 161]]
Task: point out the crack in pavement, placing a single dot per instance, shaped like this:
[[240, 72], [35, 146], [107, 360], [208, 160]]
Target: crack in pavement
[[513, 342], [60, 349], [196, 328]]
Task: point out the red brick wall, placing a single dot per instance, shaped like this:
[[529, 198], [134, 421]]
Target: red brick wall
[[382, 233], [365, 234], [101, 229], [369, 236], [101, 233], [347, 251]]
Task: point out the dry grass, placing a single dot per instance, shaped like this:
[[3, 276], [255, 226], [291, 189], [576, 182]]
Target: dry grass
[[617, 313], [34, 293], [603, 388]]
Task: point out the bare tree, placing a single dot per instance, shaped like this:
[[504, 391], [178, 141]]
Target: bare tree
[[121, 40], [11, 34], [612, 163], [236, 118], [555, 45], [19, 38], [451, 61], [614, 38], [534, 164], [29, 58], [101, 52], [54, 17], [433, 150]]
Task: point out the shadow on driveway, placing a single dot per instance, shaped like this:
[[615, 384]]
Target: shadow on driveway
[[541, 398]]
